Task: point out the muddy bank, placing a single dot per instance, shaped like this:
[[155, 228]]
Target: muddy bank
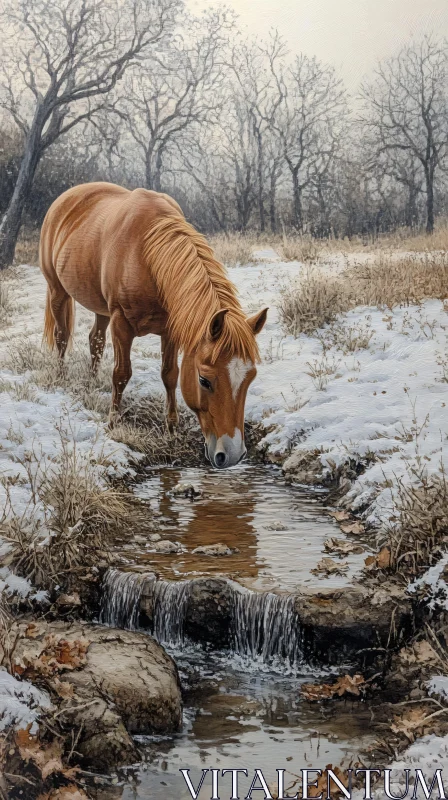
[[105, 685]]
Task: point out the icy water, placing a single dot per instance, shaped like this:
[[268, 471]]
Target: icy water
[[242, 708], [236, 717], [278, 530]]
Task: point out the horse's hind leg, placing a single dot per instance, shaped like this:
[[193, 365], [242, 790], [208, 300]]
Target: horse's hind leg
[[170, 374], [122, 338], [97, 340], [61, 305]]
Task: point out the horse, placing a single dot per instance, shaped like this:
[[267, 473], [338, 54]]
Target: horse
[[132, 259]]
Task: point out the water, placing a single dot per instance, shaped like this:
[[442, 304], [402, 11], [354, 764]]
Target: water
[[242, 708], [170, 600], [239, 718], [278, 530], [264, 626], [120, 606]]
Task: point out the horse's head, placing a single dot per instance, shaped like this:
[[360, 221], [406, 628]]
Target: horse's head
[[214, 382]]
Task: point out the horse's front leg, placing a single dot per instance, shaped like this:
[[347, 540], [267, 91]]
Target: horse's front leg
[[170, 374], [122, 338]]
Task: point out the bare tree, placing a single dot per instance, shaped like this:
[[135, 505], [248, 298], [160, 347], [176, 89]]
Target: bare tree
[[258, 70], [315, 108], [163, 107], [406, 110], [60, 58]]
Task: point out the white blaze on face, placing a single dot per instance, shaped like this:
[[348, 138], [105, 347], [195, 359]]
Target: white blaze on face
[[238, 370]]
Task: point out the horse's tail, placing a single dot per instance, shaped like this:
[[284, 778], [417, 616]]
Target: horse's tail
[[49, 322]]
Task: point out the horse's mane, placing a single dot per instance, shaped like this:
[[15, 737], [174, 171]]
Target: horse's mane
[[193, 287]]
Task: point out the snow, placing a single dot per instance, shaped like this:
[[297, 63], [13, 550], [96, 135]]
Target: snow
[[369, 409], [20, 703], [434, 586], [437, 686]]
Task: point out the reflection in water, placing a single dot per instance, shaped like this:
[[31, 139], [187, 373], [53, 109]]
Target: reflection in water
[[278, 530], [236, 719]]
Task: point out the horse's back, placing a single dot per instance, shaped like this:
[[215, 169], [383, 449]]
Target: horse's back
[[92, 233]]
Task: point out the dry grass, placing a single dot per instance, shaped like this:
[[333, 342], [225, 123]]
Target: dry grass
[[317, 298], [143, 428], [421, 521], [234, 249], [27, 248], [73, 513], [300, 248]]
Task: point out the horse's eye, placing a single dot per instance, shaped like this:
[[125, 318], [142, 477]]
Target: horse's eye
[[204, 382]]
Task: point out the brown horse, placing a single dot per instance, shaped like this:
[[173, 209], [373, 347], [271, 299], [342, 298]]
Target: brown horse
[[133, 259]]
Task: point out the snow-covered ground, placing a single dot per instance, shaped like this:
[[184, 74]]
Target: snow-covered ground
[[384, 403], [356, 404]]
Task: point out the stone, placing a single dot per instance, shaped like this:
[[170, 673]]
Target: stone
[[215, 550], [165, 546], [124, 684], [187, 490]]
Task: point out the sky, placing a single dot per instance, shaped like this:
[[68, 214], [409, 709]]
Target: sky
[[350, 34]]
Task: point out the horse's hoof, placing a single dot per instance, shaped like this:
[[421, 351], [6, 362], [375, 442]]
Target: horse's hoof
[[114, 418], [172, 423]]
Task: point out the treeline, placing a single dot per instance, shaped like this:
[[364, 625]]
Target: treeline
[[244, 134]]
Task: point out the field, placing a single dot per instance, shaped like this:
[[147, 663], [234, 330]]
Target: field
[[351, 395]]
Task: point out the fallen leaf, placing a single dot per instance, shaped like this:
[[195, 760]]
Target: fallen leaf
[[327, 566], [47, 759], [32, 631], [353, 527], [419, 653], [342, 546], [346, 684], [383, 558], [322, 783], [411, 723], [70, 792], [63, 688], [339, 516]]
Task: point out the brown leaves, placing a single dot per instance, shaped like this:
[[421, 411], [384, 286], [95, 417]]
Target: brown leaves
[[47, 759], [69, 599], [322, 783], [56, 654], [412, 723], [381, 560], [70, 792], [327, 566], [353, 527], [342, 546], [63, 688], [346, 684], [339, 516]]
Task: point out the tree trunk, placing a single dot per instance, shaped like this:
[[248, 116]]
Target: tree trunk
[[272, 204], [148, 171], [260, 179], [158, 172], [297, 208], [429, 200], [12, 219]]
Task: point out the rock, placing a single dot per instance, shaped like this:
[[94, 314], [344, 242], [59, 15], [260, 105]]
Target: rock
[[165, 546], [215, 550], [123, 683], [209, 611], [341, 622], [276, 526], [69, 599], [154, 537], [187, 490]]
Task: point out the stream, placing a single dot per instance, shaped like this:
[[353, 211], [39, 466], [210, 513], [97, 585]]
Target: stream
[[242, 704]]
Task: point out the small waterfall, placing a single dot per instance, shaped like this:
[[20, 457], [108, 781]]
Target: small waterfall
[[120, 606], [266, 627], [170, 600]]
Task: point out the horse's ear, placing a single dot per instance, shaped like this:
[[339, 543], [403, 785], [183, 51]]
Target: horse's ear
[[217, 324], [257, 321]]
